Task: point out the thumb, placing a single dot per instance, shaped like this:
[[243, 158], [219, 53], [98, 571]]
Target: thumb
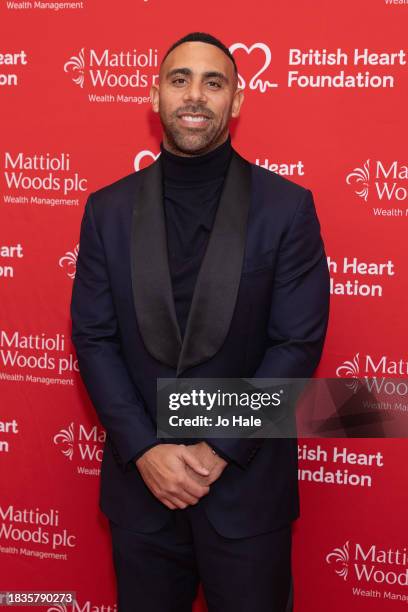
[[193, 462]]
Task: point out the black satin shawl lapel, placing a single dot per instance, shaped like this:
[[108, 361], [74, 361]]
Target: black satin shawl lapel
[[151, 282], [218, 281]]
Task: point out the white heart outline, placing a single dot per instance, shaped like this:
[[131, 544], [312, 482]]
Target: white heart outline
[[255, 82], [141, 155]]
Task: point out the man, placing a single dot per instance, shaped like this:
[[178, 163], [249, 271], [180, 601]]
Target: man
[[201, 265]]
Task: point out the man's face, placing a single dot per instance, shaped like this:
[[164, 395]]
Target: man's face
[[196, 97]]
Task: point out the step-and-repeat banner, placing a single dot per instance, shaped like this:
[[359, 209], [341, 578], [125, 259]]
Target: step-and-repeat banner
[[325, 106]]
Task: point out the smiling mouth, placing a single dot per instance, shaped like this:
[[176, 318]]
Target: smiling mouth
[[193, 120]]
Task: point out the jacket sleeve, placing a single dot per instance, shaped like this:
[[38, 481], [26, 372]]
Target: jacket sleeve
[[298, 315], [95, 336]]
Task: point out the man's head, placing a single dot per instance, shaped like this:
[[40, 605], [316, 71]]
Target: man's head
[[197, 94]]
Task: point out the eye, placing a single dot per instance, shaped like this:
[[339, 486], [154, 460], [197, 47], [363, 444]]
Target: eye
[[179, 81], [214, 84]]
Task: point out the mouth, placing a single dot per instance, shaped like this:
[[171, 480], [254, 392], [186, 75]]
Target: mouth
[[194, 120]]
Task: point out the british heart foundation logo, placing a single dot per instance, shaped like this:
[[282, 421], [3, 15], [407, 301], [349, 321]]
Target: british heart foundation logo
[[255, 82]]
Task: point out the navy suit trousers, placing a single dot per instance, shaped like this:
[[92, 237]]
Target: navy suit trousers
[[161, 571]]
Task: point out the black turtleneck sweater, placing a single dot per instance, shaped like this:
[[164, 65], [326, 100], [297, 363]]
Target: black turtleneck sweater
[[192, 188]]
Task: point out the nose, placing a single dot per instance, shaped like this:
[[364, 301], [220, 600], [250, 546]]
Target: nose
[[195, 92]]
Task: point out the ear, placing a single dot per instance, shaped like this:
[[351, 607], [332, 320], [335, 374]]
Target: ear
[[154, 96], [237, 103]]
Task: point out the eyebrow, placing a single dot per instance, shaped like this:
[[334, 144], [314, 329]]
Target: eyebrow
[[206, 75]]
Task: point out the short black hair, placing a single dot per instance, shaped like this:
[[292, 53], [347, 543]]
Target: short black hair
[[205, 38]]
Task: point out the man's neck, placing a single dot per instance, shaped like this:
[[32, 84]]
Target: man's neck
[[198, 168], [174, 150]]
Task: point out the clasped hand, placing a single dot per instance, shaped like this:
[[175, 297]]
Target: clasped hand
[[180, 475]]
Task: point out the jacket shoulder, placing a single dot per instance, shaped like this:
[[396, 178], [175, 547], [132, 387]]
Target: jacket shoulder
[[118, 189], [117, 197], [274, 196], [274, 183]]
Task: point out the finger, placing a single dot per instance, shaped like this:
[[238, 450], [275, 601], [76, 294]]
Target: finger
[[179, 503], [205, 481], [179, 494], [168, 503], [186, 497], [194, 463], [192, 487]]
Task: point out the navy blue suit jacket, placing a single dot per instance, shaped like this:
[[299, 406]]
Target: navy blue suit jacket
[[259, 309]]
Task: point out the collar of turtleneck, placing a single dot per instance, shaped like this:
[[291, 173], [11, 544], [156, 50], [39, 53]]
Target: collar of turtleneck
[[198, 168]]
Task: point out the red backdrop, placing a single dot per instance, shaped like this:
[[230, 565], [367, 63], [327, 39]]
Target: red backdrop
[[326, 95]]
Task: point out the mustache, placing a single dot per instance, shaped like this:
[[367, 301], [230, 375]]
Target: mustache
[[195, 110]]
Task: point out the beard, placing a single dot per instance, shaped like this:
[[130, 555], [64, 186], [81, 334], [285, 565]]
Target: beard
[[192, 141]]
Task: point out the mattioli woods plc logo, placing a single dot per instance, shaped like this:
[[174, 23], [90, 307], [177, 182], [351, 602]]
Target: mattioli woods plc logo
[[371, 567], [113, 72], [375, 181], [340, 557], [68, 262], [263, 52], [83, 446], [359, 178], [364, 366], [350, 369]]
